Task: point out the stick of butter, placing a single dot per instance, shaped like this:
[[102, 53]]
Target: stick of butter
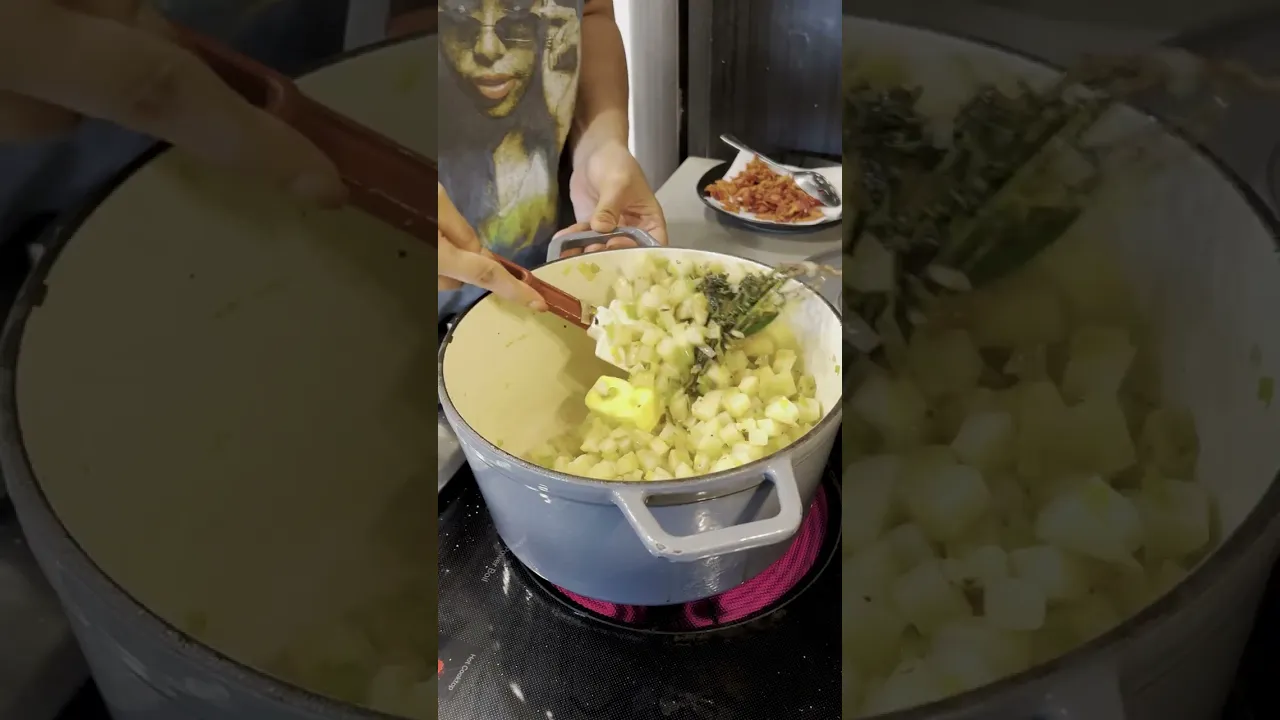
[[617, 399]]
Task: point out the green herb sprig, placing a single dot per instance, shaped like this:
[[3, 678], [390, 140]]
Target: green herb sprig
[[739, 312]]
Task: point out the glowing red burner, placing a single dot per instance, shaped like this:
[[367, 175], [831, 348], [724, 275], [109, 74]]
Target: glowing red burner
[[769, 586], [628, 614], [745, 600]]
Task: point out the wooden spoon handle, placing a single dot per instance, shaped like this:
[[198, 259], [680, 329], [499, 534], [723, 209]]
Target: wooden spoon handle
[[560, 302], [385, 179]]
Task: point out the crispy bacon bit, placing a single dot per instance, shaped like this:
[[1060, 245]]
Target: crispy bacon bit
[[766, 194]]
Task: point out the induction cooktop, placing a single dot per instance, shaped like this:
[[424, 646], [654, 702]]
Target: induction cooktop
[[515, 647]]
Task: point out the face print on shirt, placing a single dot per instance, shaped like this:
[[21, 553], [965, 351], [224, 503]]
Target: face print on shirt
[[496, 47], [516, 63]]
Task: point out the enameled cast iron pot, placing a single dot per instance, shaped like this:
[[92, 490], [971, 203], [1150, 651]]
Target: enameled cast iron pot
[[511, 379]]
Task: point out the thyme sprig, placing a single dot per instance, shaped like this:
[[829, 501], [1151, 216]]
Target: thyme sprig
[[743, 310], [959, 212]]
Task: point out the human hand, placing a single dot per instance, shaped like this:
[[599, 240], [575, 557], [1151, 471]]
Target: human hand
[[463, 259], [608, 191], [61, 60]]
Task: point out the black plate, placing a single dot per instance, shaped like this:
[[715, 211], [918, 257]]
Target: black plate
[[717, 173]]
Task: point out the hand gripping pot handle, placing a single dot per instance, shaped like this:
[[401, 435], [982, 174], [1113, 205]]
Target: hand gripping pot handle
[[576, 241], [759, 533]]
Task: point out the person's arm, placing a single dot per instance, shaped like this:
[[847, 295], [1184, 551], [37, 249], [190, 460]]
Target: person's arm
[[601, 113]]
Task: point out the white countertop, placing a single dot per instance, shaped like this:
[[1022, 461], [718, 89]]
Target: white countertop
[[691, 224]]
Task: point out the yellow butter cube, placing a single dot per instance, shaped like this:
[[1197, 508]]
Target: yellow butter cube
[[617, 399]]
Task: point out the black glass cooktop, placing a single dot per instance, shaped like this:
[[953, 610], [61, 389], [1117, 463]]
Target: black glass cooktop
[[513, 647]]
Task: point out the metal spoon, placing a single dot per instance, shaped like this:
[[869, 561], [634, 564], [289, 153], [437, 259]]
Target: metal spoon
[[809, 181]]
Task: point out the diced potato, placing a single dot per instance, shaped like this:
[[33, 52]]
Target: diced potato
[[784, 361], [779, 385], [869, 486], [961, 666], [707, 406], [627, 463], [1094, 520], [737, 403], [1059, 574], [1091, 616], [1170, 443], [943, 363], [1165, 577], [603, 470], [678, 407], [1013, 604], [871, 632], [782, 410], [1095, 437], [910, 545], [912, 683], [726, 462], [810, 410], [1129, 588], [870, 571], [926, 599], [758, 345], [1055, 637], [1016, 312], [1040, 418], [1002, 651], [986, 440], [1028, 363], [944, 498], [745, 453], [984, 564], [1098, 360], [1176, 517], [892, 406], [950, 413], [583, 463]]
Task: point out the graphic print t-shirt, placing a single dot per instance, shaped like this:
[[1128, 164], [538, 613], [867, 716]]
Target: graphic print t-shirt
[[508, 82]]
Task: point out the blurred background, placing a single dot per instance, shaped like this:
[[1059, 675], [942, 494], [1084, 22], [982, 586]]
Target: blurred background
[[765, 70]]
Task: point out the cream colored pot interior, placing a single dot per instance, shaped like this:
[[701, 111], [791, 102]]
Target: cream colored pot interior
[[228, 402], [518, 378], [1170, 242]]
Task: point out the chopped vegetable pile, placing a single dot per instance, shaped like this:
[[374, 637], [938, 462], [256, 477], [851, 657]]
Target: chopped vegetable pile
[[1011, 492], [713, 382], [1015, 483]]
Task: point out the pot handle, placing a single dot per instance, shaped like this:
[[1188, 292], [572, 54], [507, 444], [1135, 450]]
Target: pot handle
[[574, 241], [722, 541], [1092, 693]]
